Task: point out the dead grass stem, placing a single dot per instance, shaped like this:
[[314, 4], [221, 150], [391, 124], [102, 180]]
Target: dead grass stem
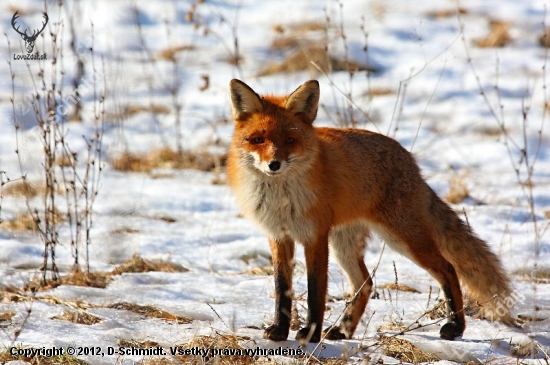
[[75, 277], [6, 356], [447, 13], [78, 317], [499, 35], [544, 38], [302, 59], [6, 316], [405, 351], [373, 91], [458, 191], [137, 344], [170, 53], [131, 110], [400, 287], [150, 312], [23, 188], [20, 223], [167, 158], [393, 326], [217, 341], [138, 264]]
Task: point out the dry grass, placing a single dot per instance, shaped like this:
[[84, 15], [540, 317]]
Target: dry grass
[[541, 276], [134, 162], [524, 318], [161, 175], [124, 230], [137, 344], [11, 295], [139, 264], [5, 357], [78, 277], [400, 287], [328, 361], [438, 311], [6, 316], [405, 351], [22, 188], [233, 60], [490, 131], [524, 350], [499, 35], [78, 317], [151, 360], [295, 35], [311, 26], [131, 110], [261, 264], [259, 270], [165, 218], [77, 304], [300, 50], [100, 279], [379, 9], [150, 312], [216, 341], [167, 158], [20, 223], [74, 277], [393, 326], [458, 191], [372, 92], [282, 43], [64, 161], [544, 38], [170, 53], [156, 360], [256, 256], [302, 59], [447, 13], [22, 12]]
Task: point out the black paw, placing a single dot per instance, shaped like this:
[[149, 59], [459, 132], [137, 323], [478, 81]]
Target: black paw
[[334, 333], [308, 334], [275, 333], [450, 331]]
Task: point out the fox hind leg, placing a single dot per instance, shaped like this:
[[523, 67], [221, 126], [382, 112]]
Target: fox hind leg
[[423, 249], [347, 245], [445, 274]]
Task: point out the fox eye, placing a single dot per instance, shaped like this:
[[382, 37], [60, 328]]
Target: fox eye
[[289, 140], [257, 140]]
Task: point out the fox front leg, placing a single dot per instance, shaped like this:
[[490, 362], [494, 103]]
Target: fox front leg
[[316, 253], [282, 252]]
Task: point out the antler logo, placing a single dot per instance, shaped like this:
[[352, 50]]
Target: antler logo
[[29, 39]]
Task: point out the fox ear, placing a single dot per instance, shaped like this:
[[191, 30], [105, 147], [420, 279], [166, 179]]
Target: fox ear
[[244, 100], [305, 100]]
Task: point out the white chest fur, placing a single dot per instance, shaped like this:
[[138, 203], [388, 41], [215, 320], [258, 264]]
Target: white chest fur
[[278, 205]]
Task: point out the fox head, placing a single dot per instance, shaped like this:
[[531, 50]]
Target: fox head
[[275, 135]]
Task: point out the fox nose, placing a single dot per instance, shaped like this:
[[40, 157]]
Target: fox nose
[[274, 165]]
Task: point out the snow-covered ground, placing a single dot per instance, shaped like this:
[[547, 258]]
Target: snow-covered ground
[[447, 101]]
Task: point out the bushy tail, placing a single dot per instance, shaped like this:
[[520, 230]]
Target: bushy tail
[[479, 270]]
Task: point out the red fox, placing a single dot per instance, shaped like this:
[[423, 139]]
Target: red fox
[[331, 187]]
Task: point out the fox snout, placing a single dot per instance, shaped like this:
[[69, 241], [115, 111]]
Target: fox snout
[[270, 166], [274, 165]]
